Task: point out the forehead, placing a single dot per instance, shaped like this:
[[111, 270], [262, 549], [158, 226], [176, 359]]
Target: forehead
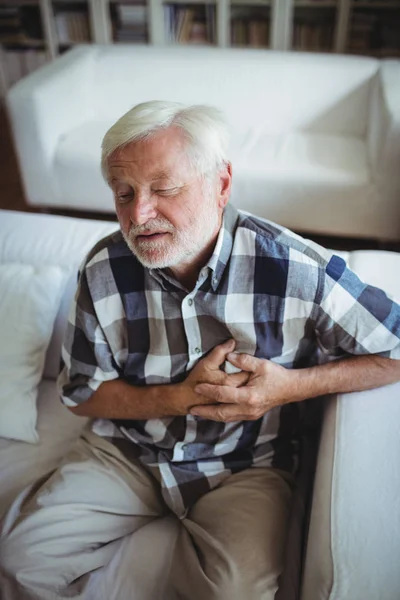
[[160, 156]]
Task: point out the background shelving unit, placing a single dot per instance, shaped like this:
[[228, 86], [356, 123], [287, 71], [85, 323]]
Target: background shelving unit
[[22, 39], [190, 23], [251, 23], [374, 28], [35, 31], [315, 25], [71, 23], [129, 22]]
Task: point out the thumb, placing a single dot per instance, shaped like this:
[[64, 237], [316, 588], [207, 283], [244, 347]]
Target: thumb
[[245, 362], [217, 356]]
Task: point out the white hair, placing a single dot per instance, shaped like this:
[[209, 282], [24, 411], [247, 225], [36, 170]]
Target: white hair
[[204, 128]]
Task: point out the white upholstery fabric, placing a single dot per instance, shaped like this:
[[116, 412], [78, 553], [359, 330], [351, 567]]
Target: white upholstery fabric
[[353, 546], [354, 538], [47, 240], [315, 137], [29, 301], [21, 463], [275, 91], [77, 168]]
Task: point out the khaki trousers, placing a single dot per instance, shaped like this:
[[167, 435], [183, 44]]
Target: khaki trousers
[[79, 518]]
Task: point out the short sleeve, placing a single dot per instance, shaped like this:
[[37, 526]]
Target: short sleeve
[[354, 318], [86, 355]]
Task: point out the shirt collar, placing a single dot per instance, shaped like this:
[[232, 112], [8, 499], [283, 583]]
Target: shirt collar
[[223, 247], [221, 253]]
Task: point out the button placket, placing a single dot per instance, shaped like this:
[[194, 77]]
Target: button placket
[[192, 331]]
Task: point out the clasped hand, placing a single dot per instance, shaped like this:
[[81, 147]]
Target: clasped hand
[[247, 395]]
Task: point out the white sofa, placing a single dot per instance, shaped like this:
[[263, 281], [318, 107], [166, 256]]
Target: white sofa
[[353, 544], [316, 138]]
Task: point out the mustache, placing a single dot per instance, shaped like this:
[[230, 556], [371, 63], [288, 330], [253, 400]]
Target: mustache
[[154, 225]]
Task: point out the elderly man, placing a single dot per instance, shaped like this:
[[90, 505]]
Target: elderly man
[[195, 331]]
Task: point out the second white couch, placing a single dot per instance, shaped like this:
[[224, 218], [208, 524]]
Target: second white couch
[[316, 138]]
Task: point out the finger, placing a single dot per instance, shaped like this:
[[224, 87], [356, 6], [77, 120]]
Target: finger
[[237, 379], [222, 393], [226, 413], [245, 362], [217, 356]]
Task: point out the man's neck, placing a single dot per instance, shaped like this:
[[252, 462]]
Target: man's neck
[[187, 272]]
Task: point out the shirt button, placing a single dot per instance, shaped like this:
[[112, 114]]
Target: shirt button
[[215, 280], [197, 350], [190, 302]]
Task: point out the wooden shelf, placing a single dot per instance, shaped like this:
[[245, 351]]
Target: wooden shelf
[[376, 5], [311, 4], [250, 3], [169, 2], [19, 3], [68, 2]]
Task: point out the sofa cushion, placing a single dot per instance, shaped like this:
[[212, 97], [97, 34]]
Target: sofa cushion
[[353, 543], [29, 301], [276, 91], [20, 463], [77, 168], [51, 240]]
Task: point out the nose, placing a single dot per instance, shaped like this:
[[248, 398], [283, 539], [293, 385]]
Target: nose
[[142, 209]]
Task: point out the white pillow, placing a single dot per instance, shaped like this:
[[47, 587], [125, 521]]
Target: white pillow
[[29, 301]]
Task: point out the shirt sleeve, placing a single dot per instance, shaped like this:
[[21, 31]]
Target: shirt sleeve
[[87, 360], [355, 318]]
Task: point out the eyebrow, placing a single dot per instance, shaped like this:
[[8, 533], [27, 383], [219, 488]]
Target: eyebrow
[[157, 175], [160, 175]]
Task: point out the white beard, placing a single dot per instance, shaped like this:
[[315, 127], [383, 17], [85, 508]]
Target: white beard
[[177, 246]]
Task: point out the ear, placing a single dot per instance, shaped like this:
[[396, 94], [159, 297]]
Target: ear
[[224, 185]]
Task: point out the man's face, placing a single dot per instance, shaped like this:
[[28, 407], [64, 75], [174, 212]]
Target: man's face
[[167, 214]]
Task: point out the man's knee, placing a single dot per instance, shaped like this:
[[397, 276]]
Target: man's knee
[[238, 586], [22, 564]]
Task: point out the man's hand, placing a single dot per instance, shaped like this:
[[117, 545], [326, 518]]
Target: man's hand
[[268, 385], [207, 371]]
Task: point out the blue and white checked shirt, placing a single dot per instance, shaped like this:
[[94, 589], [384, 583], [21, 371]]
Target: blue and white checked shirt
[[279, 296]]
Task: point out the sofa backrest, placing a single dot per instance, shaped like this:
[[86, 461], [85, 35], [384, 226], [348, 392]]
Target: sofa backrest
[[38, 239], [258, 90]]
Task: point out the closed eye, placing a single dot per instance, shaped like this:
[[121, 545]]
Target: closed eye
[[167, 192], [124, 198]]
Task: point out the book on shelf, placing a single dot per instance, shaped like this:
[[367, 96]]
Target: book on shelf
[[131, 23], [312, 37], [258, 34], [376, 34], [21, 25], [248, 32], [189, 25], [72, 27]]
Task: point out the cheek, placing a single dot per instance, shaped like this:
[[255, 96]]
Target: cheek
[[123, 218]]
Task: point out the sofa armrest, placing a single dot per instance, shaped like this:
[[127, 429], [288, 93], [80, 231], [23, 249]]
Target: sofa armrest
[[42, 108], [383, 135], [353, 544]]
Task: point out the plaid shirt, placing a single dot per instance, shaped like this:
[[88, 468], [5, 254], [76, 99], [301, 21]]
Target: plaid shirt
[[279, 296]]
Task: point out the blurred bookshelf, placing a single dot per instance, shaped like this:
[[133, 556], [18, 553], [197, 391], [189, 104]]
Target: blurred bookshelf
[[315, 26], [190, 23], [33, 32], [22, 40], [71, 23], [129, 23], [374, 29], [250, 25]]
